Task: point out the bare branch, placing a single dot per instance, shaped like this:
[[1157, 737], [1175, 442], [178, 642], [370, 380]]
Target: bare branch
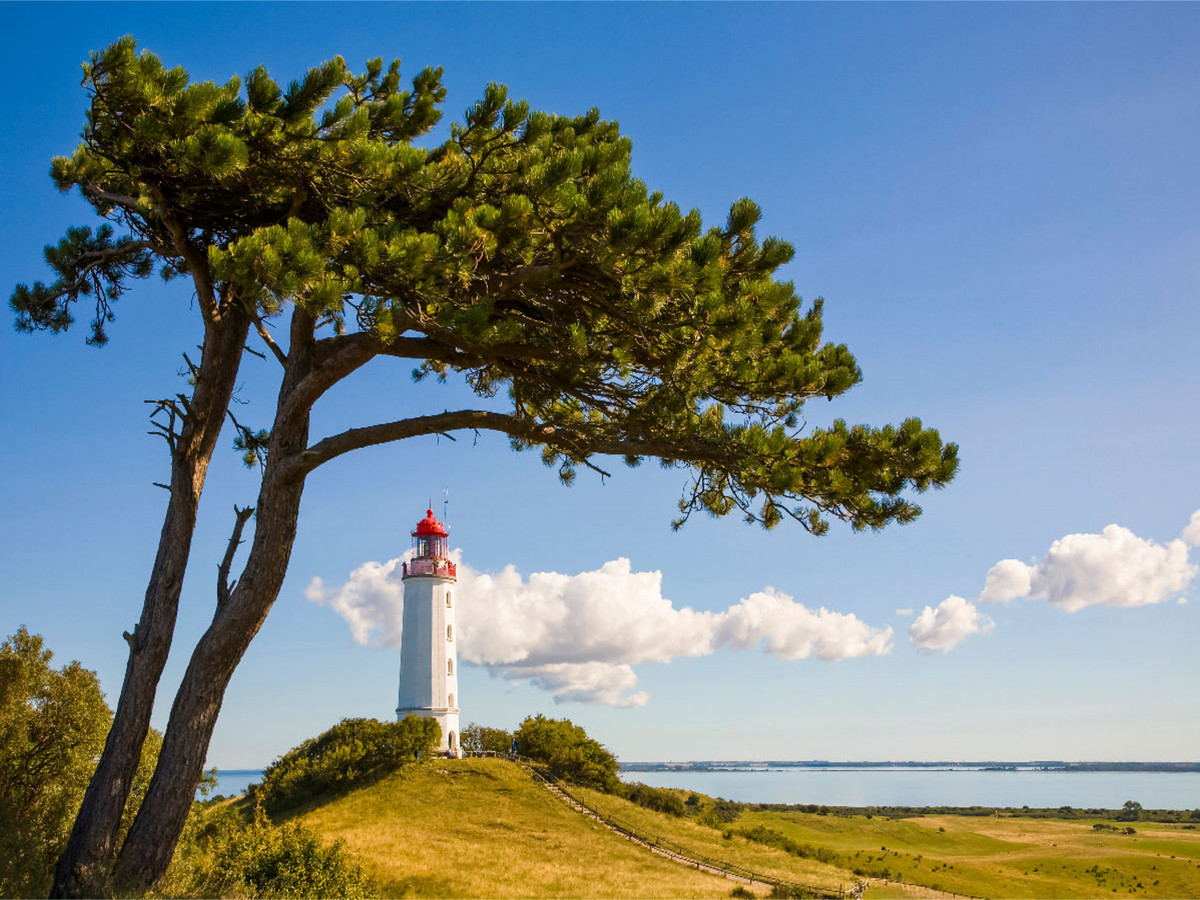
[[176, 415], [95, 192], [224, 587], [268, 340]]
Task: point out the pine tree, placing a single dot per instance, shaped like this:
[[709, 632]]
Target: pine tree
[[520, 255]]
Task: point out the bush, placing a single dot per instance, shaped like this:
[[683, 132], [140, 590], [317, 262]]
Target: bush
[[350, 753], [221, 855], [662, 800], [779, 841], [717, 813], [566, 750]]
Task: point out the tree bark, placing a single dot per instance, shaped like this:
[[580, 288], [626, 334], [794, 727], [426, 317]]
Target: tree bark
[[151, 843], [86, 862]]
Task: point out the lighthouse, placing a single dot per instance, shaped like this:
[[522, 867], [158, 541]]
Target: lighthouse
[[428, 655]]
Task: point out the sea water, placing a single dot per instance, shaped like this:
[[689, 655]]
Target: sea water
[[899, 786]]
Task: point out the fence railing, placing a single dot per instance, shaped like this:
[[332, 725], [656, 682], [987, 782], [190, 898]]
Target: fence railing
[[658, 842]]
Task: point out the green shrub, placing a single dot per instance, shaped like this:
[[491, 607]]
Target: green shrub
[[662, 800], [566, 750], [716, 813], [349, 753], [770, 837], [222, 855]]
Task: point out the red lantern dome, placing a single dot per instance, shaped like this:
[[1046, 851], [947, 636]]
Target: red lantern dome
[[430, 527], [430, 550]]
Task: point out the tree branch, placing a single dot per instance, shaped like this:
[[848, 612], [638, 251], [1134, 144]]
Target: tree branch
[[523, 429], [223, 586], [95, 192], [197, 264], [268, 340]]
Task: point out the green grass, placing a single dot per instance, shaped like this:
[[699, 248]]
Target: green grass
[[1005, 857], [483, 828]]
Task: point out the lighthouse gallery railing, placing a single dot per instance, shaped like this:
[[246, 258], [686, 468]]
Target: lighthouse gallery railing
[[430, 567]]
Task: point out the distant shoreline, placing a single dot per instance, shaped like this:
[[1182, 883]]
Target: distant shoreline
[[725, 765], [985, 766]]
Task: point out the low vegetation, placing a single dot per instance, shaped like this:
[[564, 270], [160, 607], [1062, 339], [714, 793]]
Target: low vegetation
[[350, 753], [222, 854], [1132, 811]]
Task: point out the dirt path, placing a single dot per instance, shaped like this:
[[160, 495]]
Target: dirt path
[[674, 855], [911, 890]]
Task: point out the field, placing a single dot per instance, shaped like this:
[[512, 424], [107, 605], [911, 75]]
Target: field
[[483, 828], [1005, 857]]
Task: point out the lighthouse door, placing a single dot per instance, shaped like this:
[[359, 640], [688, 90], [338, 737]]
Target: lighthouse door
[[450, 743]]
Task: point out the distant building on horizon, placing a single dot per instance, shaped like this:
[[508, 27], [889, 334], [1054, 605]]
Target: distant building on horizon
[[428, 655]]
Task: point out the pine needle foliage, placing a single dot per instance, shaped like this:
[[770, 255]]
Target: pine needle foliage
[[520, 254]]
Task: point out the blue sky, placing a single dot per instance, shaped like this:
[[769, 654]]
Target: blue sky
[[999, 205]]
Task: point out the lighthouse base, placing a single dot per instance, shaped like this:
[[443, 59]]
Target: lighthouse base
[[447, 719]]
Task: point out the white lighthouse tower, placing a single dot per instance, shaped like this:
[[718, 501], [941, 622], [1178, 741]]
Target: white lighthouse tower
[[428, 657]]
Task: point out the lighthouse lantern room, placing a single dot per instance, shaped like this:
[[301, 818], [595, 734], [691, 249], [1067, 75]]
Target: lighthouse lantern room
[[428, 643]]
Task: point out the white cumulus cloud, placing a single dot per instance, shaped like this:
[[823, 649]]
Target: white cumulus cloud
[[790, 630], [1191, 534], [578, 636], [1007, 580], [1113, 568], [945, 627]]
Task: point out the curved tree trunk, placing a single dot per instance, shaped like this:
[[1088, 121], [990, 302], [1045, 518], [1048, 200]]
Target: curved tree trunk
[[151, 843], [85, 863]]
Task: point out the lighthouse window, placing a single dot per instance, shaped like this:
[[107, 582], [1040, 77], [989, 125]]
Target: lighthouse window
[[447, 599], [451, 701], [449, 632], [449, 667]]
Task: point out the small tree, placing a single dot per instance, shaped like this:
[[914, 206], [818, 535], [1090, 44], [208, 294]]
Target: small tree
[[52, 728], [519, 255], [567, 751], [480, 738], [1130, 812]]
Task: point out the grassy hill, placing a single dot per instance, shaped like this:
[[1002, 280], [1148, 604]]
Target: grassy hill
[[484, 828]]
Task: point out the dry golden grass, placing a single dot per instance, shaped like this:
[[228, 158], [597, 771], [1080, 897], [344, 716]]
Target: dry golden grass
[[483, 828], [709, 842]]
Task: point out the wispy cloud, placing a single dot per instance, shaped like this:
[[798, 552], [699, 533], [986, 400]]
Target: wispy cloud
[[578, 636]]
